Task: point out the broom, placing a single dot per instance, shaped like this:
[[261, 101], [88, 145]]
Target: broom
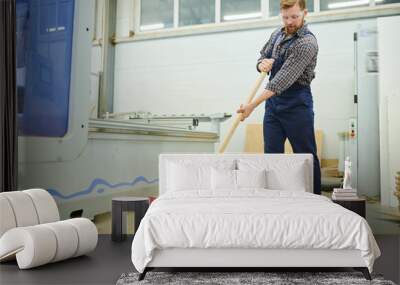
[[238, 118]]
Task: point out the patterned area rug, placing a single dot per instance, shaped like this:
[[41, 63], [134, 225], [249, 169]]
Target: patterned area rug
[[231, 278]]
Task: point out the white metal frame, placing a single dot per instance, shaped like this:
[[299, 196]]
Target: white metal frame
[[245, 257], [98, 22]]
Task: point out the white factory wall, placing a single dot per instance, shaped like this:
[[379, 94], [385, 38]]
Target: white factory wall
[[214, 73]]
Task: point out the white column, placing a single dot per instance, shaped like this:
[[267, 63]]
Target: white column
[[317, 6], [265, 8], [132, 17], [217, 11], [136, 16], [176, 13]]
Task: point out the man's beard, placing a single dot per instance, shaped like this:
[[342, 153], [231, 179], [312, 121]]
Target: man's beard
[[293, 29]]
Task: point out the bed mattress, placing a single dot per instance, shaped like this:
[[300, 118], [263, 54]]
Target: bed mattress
[[250, 219]]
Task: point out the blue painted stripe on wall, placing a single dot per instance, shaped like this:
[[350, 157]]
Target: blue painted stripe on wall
[[104, 184]]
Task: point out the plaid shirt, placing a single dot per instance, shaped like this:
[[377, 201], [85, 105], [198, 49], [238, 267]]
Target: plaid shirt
[[300, 59]]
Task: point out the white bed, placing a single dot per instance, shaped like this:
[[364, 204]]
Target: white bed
[[203, 220]]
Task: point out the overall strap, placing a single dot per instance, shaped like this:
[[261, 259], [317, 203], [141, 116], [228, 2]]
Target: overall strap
[[274, 40], [292, 40]]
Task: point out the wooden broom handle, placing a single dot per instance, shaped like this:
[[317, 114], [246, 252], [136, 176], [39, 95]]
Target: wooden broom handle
[[228, 137]]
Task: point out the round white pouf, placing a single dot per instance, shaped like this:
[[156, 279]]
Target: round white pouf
[[67, 239], [40, 244], [87, 235], [23, 208], [6, 215], [45, 205], [34, 245]]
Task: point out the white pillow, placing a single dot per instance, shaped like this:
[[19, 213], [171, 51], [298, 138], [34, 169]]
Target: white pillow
[[251, 178], [293, 180], [188, 175], [223, 179], [284, 172], [236, 179], [182, 178]]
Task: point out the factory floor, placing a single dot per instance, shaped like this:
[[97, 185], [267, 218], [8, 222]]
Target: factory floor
[[110, 259]]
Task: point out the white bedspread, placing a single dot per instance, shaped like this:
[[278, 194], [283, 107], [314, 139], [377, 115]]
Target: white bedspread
[[252, 218]]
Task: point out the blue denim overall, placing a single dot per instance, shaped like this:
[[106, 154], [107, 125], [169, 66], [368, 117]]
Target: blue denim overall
[[290, 115]]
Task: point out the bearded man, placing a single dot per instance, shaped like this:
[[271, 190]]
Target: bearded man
[[290, 57]]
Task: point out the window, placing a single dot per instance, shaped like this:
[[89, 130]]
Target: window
[[341, 4], [233, 10], [196, 12], [380, 2], [275, 9], [161, 14], [156, 14]]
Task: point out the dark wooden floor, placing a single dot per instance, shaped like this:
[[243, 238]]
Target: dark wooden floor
[[110, 260]]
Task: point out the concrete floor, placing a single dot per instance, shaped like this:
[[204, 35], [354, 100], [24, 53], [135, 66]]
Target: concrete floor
[[102, 266], [110, 260], [383, 220]]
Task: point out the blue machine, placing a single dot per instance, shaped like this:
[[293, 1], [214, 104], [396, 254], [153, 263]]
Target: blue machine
[[44, 53]]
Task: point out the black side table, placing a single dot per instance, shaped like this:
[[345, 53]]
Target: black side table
[[357, 205], [120, 204]]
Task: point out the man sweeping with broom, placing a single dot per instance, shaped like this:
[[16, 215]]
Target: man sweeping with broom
[[290, 57]]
